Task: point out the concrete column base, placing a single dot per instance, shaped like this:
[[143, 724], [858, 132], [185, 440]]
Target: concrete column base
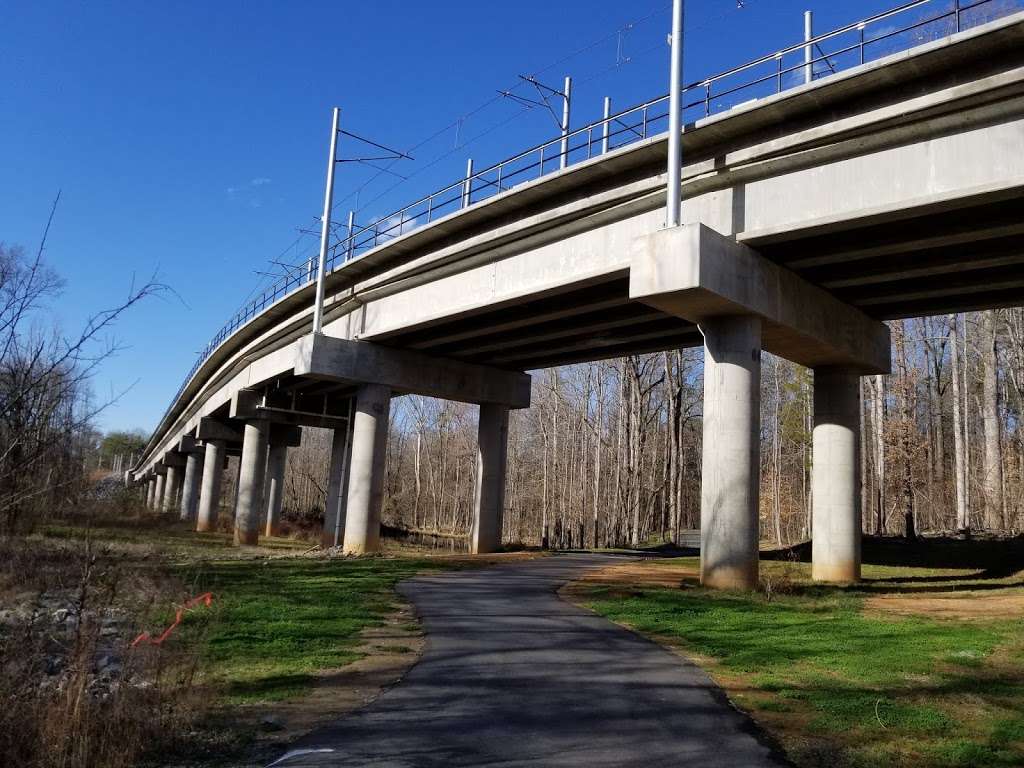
[[276, 462], [209, 494], [190, 489], [729, 529], [835, 477], [366, 469], [489, 501], [251, 476]]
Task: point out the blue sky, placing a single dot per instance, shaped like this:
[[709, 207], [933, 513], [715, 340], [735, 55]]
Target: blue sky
[[188, 139]]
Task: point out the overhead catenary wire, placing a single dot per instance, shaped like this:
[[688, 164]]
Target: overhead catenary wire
[[583, 81], [662, 7]]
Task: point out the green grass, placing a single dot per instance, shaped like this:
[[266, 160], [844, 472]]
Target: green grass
[[817, 668], [276, 623]]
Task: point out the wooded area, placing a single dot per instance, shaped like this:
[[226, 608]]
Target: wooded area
[[609, 453], [47, 407]]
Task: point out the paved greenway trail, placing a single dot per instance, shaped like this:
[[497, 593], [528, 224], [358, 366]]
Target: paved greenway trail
[[513, 675]]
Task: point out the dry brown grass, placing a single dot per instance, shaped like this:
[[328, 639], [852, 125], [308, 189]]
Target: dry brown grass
[[967, 605], [75, 694]]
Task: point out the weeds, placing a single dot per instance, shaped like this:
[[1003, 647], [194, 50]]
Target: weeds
[[75, 695]]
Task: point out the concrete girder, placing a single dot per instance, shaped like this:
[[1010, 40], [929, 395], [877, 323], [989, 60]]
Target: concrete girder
[[215, 429], [286, 422], [696, 273], [188, 444], [405, 371], [173, 459]]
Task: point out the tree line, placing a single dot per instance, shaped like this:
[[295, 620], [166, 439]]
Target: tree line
[[609, 453]]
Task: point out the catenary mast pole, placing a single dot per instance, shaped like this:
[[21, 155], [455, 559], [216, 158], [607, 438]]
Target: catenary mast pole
[[325, 222], [675, 125]]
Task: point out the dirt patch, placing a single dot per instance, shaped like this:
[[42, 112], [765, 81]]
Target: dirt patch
[[635, 574], [390, 651], [953, 605]]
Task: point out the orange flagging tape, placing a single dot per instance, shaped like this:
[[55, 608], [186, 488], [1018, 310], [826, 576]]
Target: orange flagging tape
[[205, 598]]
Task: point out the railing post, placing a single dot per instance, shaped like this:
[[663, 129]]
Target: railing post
[[604, 129], [674, 205], [566, 102], [808, 49], [467, 185], [956, 13], [351, 229], [325, 229]]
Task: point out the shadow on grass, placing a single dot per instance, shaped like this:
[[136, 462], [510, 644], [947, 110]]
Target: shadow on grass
[[995, 558]]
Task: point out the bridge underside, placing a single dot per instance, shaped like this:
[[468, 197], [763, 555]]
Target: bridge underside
[[926, 262], [579, 324]]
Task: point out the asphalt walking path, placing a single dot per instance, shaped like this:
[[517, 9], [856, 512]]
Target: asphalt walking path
[[512, 675]]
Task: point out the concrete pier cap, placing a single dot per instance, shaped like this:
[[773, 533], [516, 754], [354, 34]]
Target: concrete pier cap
[[404, 371], [695, 273]]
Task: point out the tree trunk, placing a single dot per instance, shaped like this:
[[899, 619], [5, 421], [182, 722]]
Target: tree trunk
[[963, 522], [993, 466]]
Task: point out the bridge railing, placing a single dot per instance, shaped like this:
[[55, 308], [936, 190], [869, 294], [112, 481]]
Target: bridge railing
[[900, 28]]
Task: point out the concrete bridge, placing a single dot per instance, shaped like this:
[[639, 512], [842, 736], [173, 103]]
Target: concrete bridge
[[892, 189]]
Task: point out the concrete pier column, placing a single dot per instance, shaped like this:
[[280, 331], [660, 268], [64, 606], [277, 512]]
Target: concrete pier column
[[171, 487], [366, 469], [158, 492], [190, 489], [209, 494], [835, 477], [274, 494], [729, 531], [150, 492], [250, 482], [238, 485], [334, 512], [489, 501]]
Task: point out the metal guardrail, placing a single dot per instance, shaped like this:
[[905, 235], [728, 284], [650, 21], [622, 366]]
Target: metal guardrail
[[768, 75]]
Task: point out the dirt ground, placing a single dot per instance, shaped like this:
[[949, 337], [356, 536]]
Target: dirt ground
[[952, 605], [956, 603], [637, 574]]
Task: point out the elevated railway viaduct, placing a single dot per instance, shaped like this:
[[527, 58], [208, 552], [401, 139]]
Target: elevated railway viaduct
[[892, 189]]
